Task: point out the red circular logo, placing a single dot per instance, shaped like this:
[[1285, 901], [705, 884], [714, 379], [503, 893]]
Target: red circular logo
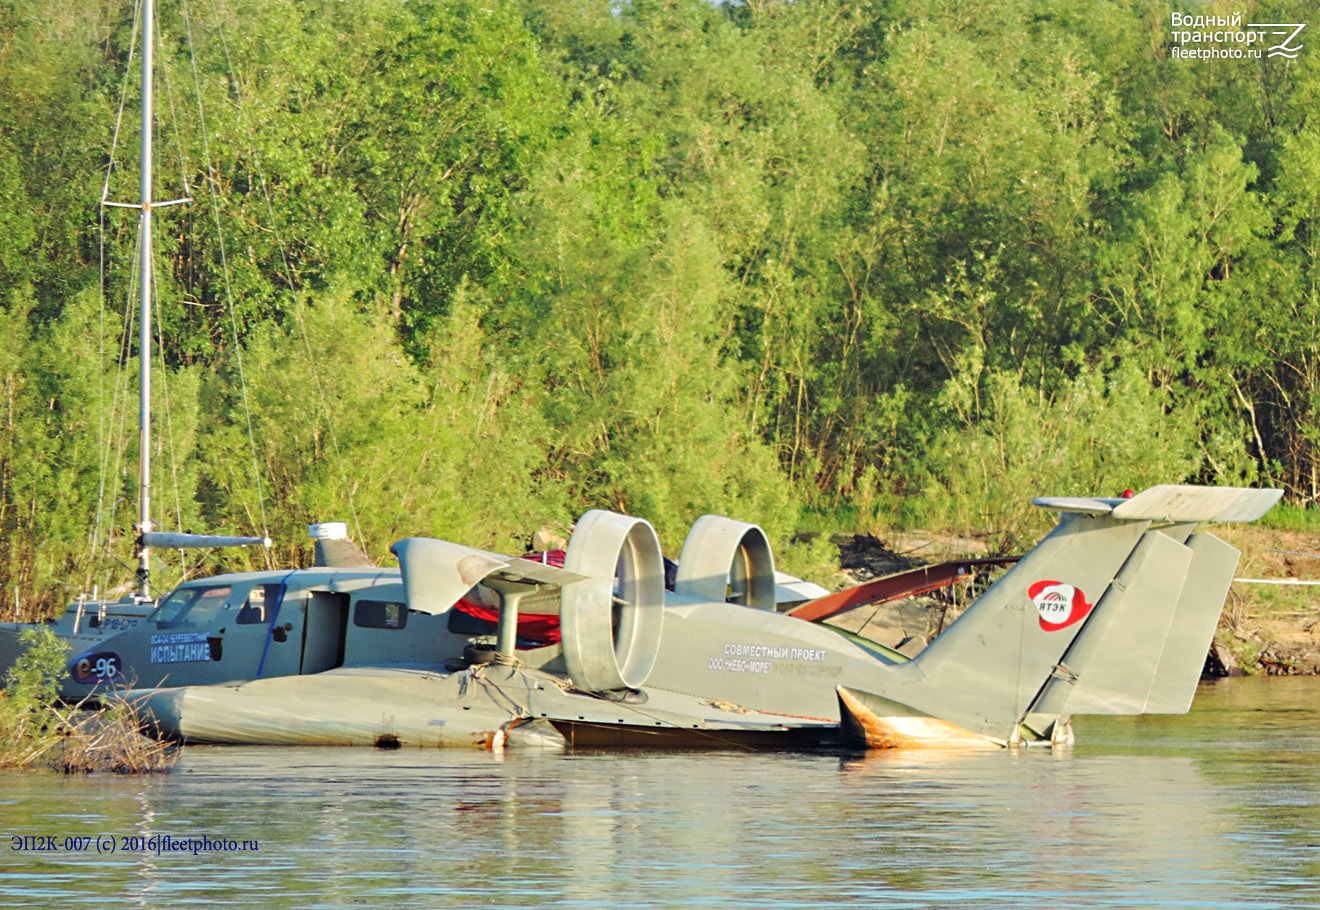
[[1059, 605]]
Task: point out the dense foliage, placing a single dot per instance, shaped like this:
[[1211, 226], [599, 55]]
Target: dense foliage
[[483, 265]]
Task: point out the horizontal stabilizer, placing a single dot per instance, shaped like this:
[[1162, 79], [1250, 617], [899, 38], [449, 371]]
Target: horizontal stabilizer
[[1170, 502], [169, 541], [1174, 503], [1082, 505]]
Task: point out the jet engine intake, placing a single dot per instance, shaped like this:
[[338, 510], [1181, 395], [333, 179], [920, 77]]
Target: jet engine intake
[[611, 623], [727, 561]]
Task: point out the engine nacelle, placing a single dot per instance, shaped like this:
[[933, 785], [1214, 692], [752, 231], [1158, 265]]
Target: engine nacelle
[[727, 560], [611, 624]]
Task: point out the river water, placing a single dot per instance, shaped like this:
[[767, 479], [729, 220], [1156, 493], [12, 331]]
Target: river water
[[1220, 808]]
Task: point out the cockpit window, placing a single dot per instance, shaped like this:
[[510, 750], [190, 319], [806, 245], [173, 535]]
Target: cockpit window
[[260, 604], [193, 606]]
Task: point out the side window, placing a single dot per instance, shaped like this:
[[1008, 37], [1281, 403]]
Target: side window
[[260, 604], [380, 614]]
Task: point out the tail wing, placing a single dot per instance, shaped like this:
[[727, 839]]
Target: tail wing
[[1112, 613]]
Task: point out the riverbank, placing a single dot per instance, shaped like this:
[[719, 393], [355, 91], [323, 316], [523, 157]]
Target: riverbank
[[1270, 624]]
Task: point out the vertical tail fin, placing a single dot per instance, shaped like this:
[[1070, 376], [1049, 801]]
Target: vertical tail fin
[[1193, 629], [1144, 654]]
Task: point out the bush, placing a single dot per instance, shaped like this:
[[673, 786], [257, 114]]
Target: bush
[[36, 729]]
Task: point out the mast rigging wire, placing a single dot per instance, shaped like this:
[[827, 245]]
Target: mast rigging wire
[[322, 397]]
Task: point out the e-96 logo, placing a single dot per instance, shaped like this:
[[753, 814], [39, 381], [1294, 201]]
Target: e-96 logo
[[99, 666]]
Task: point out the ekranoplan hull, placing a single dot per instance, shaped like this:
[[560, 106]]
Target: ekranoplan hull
[[485, 707]]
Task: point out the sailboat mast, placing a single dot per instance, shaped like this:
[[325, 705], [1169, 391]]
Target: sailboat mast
[[147, 535], [144, 313]]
